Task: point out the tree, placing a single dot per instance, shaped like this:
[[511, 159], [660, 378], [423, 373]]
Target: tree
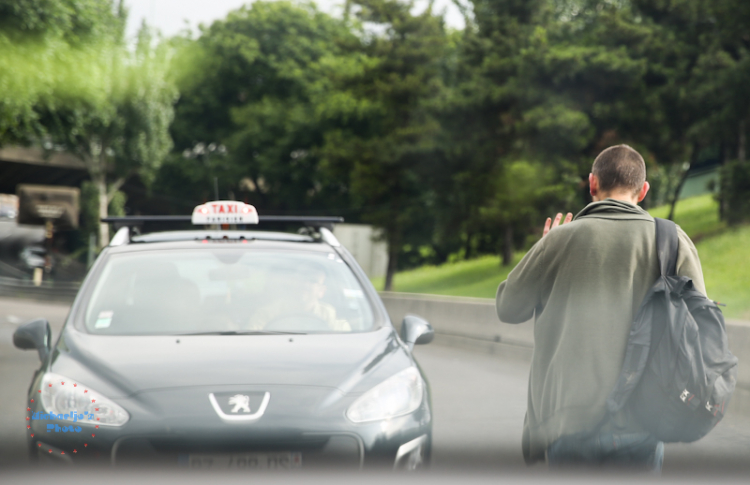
[[721, 101], [255, 83], [116, 117], [507, 127], [315, 113], [388, 145], [555, 82], [704, 54], [518, 196], [37, 40], [75, 86]]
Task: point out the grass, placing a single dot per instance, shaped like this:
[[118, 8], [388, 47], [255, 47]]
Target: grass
[[725, 259], [477, 277], [697, 216], [724, 253]]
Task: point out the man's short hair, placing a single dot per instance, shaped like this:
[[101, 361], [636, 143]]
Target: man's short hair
[[619, 167]]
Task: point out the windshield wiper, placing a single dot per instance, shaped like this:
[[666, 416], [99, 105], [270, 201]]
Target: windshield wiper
[[249, 332]]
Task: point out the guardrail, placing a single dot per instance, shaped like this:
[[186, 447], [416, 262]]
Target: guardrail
[[63, 291]]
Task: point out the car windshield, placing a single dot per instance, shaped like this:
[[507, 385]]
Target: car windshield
[[226, 291]]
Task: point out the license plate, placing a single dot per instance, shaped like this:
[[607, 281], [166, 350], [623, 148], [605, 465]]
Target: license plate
[[242, 461]]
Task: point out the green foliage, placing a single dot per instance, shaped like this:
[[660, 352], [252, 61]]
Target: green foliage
[[724, 260], [117, 204], [388, 153], [735, 191], [664, 181], [117, 119], [456, 143], [73, 21], [476, 278], [255, 86], [50, 50], [453, 142], [67, 77], [523, 190], [310, 112], [68, 81], [116, 112], [89, 207]]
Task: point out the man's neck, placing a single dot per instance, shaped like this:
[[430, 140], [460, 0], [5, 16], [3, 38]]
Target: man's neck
[[621, 196]]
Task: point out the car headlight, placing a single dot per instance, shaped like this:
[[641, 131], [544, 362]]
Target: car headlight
[[75, 402], [396, 396]]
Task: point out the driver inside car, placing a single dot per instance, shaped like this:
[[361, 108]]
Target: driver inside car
[[300, 295]]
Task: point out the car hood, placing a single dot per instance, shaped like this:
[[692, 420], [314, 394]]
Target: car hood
[[125, 365]]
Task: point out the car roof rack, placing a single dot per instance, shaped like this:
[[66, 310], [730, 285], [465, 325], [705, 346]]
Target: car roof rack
[[123, 224], [311, 221]]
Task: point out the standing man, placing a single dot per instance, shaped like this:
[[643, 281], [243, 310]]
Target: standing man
[[583, 282]]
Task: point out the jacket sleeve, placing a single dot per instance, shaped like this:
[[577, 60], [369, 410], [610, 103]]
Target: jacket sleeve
[[688, 263], [520, 294]]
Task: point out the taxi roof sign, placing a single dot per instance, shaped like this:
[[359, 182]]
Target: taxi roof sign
[[224, 212]]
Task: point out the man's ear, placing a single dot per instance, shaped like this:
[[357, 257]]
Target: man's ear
[[643, 191], [593, 185]]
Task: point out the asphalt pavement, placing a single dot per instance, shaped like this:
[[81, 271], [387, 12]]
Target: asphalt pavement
[[478, 399]]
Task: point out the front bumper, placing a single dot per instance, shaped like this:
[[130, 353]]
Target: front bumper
[[317, 451], [167, 426], [402, 442]]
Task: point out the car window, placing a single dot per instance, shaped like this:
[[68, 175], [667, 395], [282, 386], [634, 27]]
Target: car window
[[226, 290]]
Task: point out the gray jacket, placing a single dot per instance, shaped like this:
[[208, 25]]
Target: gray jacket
[[583, 283]]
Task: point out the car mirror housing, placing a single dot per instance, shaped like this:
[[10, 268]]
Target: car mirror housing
[[416, 331], [34, 335]]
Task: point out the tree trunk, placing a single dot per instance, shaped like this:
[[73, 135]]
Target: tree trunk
[[676, 195], [723, 157], [467, 246], [394, 246], [508, 245], [741, 142], [101, 186]]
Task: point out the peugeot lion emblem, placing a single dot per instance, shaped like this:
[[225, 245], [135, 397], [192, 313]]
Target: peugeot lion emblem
[[236, 407], [240, 403]]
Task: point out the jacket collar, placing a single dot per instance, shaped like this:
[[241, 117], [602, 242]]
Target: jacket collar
[[614, 209]]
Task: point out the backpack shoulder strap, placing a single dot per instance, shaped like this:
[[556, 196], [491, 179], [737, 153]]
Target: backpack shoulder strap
[[666, 246]]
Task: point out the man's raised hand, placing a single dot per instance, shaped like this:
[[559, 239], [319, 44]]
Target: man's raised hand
[[549, 225]]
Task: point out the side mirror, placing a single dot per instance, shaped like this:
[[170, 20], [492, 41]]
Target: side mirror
[[416, 331], [34, 335]]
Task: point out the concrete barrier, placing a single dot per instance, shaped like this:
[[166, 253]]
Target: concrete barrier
[[47, 291], [473, 323], [464, 322]]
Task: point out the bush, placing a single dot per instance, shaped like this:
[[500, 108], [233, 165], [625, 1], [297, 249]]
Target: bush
[[734, 197]]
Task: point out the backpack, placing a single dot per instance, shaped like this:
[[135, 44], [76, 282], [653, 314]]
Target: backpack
[[678, 374]]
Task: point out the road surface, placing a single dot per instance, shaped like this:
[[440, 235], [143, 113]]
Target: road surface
[[479, 401]]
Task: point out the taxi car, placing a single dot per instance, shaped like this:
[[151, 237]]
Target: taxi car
[[218, 348]]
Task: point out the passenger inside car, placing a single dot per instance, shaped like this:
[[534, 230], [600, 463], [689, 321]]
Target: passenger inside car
[[296, 301]]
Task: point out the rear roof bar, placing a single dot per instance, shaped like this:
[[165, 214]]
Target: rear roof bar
[[313, 221], [122, 224]]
